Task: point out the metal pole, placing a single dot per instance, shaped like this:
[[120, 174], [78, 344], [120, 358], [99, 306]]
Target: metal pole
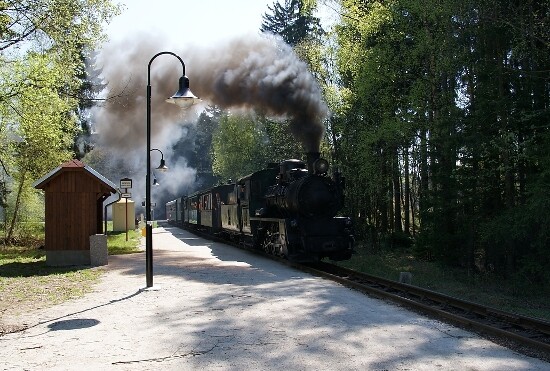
[[148, 221], [148, 227]]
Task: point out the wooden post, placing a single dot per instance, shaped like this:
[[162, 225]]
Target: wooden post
[[126, 216]]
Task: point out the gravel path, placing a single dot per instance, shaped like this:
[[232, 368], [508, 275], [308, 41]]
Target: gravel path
[[217, 307]]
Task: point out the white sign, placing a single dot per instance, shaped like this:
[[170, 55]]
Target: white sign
[[126, 183], [126, 195]]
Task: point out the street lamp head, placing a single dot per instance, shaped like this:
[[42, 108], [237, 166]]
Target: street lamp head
[[162, 166], [184, 98], [155, 183]]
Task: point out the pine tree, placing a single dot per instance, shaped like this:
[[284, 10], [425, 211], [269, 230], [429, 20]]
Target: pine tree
[[291, 21], [91, 85]]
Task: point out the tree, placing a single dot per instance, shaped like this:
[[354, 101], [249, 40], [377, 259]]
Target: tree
[[293, 21], [57, 24], [41, 76], [91, 85], [449, 103], [243, 144], [236, 147], [196, 146], [44, 125]]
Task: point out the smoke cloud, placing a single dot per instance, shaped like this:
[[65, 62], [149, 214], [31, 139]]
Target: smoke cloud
[[253, 72], [257, 72]]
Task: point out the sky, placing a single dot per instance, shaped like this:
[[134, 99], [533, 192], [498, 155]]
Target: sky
[[189, 22]]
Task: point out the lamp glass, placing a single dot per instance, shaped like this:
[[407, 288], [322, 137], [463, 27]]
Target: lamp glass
[[183, 102]]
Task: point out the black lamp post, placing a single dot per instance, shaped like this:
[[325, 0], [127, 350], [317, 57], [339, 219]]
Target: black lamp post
[[183, 98]]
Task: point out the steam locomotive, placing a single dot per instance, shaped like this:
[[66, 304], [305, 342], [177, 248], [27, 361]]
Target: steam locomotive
[[287, 210]]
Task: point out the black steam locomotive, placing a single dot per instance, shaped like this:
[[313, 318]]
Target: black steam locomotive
[[288, 209]]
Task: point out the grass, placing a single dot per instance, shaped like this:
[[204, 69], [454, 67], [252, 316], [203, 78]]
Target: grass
[[27, 283], [118, 245], [487, 289]]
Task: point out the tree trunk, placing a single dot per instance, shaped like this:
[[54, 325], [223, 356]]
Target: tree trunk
[[407, 192], [396, 193], [16, 206]]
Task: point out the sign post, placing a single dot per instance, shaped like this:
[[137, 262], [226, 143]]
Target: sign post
[[126, 183]]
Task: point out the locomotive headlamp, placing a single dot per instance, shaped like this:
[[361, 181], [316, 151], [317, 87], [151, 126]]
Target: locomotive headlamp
[[321, 166]]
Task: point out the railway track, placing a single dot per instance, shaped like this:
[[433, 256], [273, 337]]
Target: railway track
[[522, 330]]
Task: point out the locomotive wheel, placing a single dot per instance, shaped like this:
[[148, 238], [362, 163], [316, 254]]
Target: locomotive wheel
[[271, 243], [267, 244]]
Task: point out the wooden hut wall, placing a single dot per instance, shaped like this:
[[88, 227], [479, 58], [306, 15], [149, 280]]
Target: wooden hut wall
[[71, 210]]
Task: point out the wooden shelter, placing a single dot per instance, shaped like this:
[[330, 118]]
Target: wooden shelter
[[74, 211]]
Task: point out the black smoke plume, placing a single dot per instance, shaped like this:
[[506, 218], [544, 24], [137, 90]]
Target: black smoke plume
[[263, 73], [256, 72]]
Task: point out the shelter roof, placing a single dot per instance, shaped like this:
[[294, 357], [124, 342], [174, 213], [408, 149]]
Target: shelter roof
[[72, 165]]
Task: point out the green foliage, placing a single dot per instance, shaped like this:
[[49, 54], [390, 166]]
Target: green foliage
[[237, 147], [450, 98], [243, 144], [63, 25], [41, 75]]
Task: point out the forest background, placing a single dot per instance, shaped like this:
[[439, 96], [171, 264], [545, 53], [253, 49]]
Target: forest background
[[440, 119]]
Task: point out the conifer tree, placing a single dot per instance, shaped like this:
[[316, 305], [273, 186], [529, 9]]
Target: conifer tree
[[292, 21]]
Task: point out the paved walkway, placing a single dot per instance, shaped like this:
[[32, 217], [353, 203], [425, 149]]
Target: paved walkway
[[214, 307]]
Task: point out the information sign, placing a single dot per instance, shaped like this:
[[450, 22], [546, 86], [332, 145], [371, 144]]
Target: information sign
[[125, 183]]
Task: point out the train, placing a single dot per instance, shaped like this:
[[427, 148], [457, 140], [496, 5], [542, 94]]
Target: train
[[287, 209]]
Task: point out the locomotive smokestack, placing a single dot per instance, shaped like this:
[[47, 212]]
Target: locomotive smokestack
[[311, 158]]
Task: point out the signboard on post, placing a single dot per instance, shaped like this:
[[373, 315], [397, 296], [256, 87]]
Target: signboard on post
[[125, 183]]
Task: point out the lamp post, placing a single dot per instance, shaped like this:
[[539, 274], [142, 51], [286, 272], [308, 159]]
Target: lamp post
[[183, 98]]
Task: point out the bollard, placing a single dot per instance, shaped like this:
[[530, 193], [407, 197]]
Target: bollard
[[98, 250], [405, 277]]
